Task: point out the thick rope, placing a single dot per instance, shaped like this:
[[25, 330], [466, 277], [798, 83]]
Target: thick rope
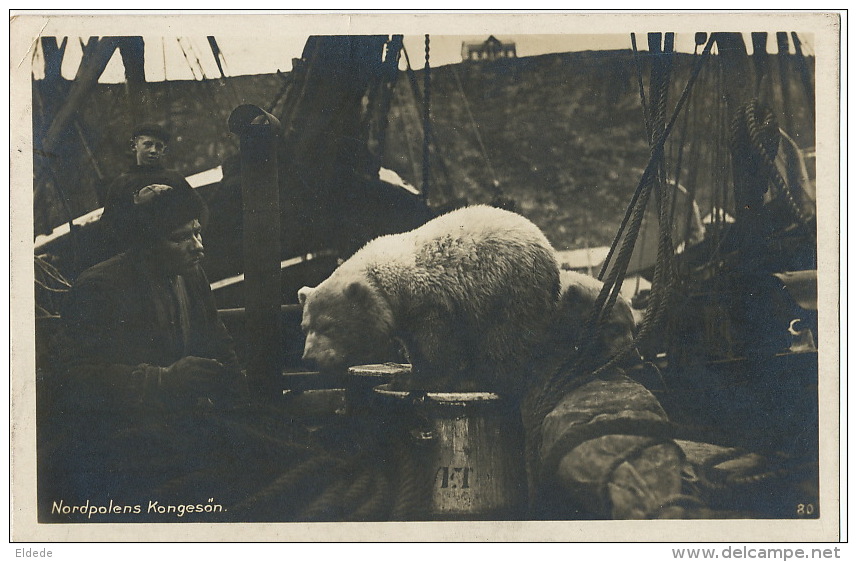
[[806, 76], [288, 80], [409, 500], [681, 147], [717, 480], [360, 488], [661, 281], [665, 244], [747, 126], [779, 182], [375, 506], [350, 489], [657, 147], [570, 374], [643, 104], [386, 87], [328, 505], [494, 179], [664, 271], [417, 96], [613, 282], [346, 490], [628, 456], [289, 481]]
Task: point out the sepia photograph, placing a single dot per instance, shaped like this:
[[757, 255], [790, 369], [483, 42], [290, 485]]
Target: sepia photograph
[[425, 277]]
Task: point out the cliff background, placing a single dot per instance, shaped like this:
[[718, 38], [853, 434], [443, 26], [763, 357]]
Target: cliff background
[[561, 136]]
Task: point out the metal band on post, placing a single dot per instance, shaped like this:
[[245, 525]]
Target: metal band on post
[[258, 131]]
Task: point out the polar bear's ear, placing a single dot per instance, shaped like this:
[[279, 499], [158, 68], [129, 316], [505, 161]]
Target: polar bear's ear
[[577, 300], [356, 290], [304, 293]]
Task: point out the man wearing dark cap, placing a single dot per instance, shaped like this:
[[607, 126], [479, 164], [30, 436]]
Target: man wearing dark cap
[[143, 324], [149, 144], [148, 365]]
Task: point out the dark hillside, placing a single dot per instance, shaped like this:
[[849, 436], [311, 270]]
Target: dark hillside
[[563, 135]]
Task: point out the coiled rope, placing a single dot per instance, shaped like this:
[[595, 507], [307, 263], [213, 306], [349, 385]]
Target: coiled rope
[[383, 481], [754, 132]]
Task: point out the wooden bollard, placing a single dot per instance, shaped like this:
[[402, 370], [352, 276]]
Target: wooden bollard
[[470, 453], [362, 379]]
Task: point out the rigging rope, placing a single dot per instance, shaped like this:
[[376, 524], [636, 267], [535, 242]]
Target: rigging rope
[[284, 88], [495, 181], [570, 374], [805, 75], [92, 158], [164, 60], [417, 97], [657, 147], [679, 158], [751, 123], [382, 91], [783, 59], [426, 122], [643, 103], [196, 57], [693, 181], [383, 481], [215, 50], [409, 139], [187, 60], [635, 210], [663, 266]]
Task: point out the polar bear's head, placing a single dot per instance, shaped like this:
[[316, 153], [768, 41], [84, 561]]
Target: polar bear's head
[[346, 322]]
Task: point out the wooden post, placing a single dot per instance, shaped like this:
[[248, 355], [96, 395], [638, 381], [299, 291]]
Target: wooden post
[[258, 132], [463, 457]]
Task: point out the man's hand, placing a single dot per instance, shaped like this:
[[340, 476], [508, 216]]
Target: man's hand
[[194, 377]]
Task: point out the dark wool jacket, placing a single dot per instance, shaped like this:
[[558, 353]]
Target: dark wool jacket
[[117, 432], [120, 325]]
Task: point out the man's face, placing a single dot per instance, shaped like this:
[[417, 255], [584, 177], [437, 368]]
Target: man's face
[[181, 251], [149, 150]]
